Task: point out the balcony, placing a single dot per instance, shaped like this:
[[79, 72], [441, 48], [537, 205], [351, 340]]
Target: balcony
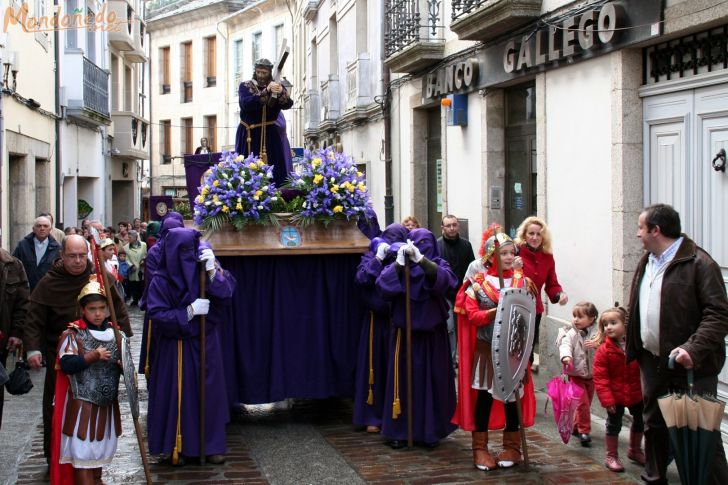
[[130, 135], [88, 101], [311, 113], [310, 10], [122, 40], [358, 90], [414, 37], [484, 20], [137, 54], [330, 103]]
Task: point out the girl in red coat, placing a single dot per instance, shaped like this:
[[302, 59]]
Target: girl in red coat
[[617, 385]]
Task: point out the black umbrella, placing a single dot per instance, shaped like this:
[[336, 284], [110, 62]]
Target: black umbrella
[[693, 423]]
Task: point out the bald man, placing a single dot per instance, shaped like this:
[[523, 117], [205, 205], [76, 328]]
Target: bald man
[[52, 307], [37, 251]]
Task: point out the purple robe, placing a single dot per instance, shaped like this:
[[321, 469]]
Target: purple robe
[[175, 286], [433, 382], [374, 334], [151, 263], [254, 105]]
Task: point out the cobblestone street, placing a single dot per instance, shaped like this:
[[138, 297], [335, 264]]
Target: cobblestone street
[[313, 442]]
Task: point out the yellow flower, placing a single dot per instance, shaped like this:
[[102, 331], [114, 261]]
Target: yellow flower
[[225, 208], [199, 199], [252, 165], [205, 189], [239, 206], [216, 200], [258, 193], [334, 188], [362, 187], [359, 174], [350, 188], [315, 162], [317, 178], [216, 183], [261, 164], [338, 209], [239, 158]]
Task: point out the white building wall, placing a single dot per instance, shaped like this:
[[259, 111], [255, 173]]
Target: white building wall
[[464, 163], [578, 184]]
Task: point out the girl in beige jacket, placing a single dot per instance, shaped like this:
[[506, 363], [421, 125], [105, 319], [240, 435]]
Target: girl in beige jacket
[[576, 352]]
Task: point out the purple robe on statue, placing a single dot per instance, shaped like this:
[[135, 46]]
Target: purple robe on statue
[[151, 263], [256, 108], [374, 342], [433, 382], [176, 285]]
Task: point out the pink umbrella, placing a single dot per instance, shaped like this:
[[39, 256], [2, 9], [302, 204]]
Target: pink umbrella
[[565, 397]]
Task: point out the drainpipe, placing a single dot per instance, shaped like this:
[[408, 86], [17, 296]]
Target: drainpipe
[[59, 167], [2, 133], [386, 103]]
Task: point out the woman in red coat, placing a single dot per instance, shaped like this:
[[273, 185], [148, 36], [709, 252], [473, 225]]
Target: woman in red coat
[[618, 386], [533, 240]]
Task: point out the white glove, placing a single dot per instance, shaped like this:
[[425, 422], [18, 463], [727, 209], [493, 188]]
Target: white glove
[[209, 258], [200, 306], [382, 251], [413, 252], [401, 254]]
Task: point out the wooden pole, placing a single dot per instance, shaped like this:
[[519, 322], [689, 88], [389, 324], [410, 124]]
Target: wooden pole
[[203, 321], [408, 319]]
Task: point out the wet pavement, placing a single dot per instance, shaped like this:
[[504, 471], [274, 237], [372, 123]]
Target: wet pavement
[[306, 442]]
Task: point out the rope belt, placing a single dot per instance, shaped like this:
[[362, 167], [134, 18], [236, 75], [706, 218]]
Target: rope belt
[[249, 140]]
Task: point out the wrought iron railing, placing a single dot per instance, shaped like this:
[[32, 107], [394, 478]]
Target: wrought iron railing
[[411, 21], [95, 88], [464, 7]]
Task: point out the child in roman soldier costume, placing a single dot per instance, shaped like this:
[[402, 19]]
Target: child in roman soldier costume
[[476, 305], [86, 418]]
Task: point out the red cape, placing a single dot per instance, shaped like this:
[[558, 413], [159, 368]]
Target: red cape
[[465, 411]]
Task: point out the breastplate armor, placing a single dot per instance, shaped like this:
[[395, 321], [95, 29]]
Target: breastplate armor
[[484, 332], [99, 383]]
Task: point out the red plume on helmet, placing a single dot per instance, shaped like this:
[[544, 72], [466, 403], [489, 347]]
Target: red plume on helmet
[[487, 234]]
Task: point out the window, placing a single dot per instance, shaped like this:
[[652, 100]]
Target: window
[[187, 72], [277, 39], [187, 137], [164, 68], [166, 141], [256, 46], [210, 62], [211, 131], [91, 36], [128, 89], [238, 59], [71, 34]]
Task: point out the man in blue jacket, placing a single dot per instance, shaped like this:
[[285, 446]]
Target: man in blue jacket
[[37, 251]]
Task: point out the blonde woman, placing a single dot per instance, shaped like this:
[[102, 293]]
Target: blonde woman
[[533, 240]]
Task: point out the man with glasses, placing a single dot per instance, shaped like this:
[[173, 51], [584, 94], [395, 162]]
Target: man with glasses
[[52, 307], [458, 252]]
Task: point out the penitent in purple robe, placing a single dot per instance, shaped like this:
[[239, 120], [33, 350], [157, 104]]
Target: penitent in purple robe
[[433, 381], [257, 107], [175, 286], [374, 342], [151, 263]]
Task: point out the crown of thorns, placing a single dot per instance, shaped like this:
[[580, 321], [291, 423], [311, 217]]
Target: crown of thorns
[[263, 62]]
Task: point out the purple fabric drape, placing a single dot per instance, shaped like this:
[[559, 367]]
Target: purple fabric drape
[[297, 321]]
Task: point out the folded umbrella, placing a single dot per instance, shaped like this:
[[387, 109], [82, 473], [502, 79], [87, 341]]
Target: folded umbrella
[[565, 397], [693, 423]]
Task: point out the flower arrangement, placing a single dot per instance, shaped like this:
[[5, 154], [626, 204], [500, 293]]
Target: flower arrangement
[[330, 187], [237, 191]]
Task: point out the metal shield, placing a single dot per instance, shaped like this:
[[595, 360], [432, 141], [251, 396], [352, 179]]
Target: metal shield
[[130, 376], [514, 326]]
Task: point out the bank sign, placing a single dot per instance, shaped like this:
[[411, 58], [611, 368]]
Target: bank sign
[[585, 34], [550, 43]]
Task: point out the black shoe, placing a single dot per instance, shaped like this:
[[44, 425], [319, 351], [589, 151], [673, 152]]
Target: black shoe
[[575, 433], [585, 440], [216, 459], [397, 444]]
